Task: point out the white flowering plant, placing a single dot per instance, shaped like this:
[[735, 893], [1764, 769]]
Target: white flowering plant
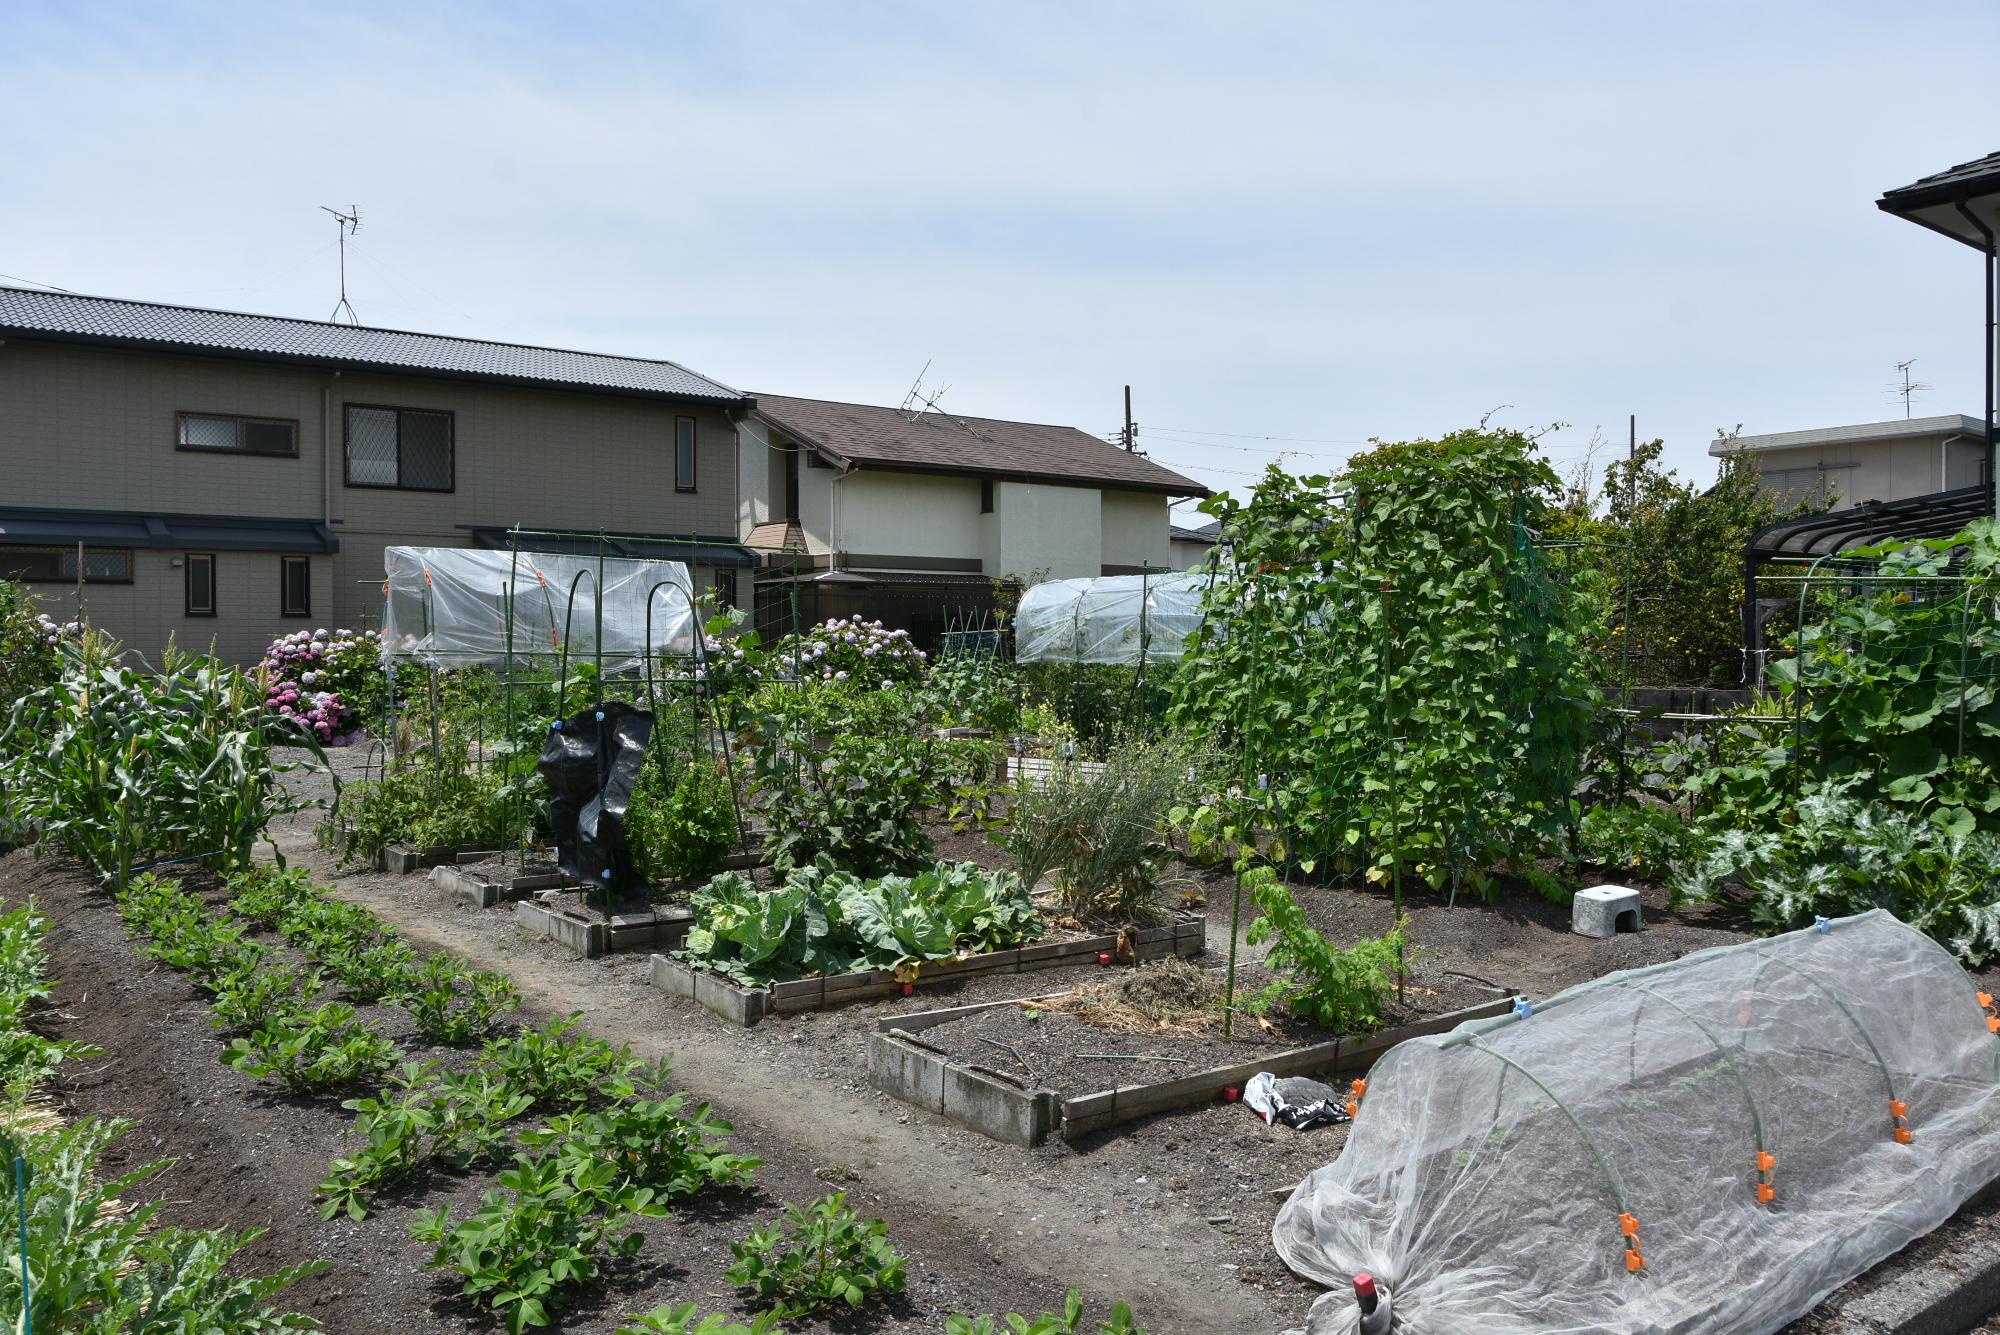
[[862, 654]]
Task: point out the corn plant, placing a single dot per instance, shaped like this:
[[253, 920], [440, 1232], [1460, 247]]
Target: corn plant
[[97, 1265], [426, 1118], [117, 765], [827, 1255], [452, 1003], [310, 1051], [543, 1231]]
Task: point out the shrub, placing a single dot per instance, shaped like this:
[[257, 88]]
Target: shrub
[[849, 650], [30, 657], [417, 804], [975, 690], [827, 1255], [1097, 828], [324, 682], [681, 824], [1644, 839], [1341, 991], [310, 1051]]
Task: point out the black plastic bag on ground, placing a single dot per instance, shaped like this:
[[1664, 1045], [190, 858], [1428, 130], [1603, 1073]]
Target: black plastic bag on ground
[[591, 763]]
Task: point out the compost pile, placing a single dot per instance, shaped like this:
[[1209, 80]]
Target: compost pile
[[1711, 1145]]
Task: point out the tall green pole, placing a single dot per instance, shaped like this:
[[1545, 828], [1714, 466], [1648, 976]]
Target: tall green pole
[[1394, 788]]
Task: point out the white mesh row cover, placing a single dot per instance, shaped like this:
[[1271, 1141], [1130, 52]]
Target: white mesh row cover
[[450, 603], [1488, 1168], [1105, 620]]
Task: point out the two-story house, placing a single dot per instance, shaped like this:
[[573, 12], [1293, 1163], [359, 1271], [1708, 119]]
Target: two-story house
[[912, 516], [224, 478]]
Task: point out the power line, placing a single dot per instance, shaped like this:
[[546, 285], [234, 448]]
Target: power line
[[1250, 435]]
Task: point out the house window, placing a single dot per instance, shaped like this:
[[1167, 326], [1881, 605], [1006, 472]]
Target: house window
[[683, 454], [408, 449], [986, 495], [725, 588], [295, 586], [57, 565], [220, 433], [200, 572]]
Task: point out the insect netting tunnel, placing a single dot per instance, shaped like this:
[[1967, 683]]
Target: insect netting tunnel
[[1711, 1145]]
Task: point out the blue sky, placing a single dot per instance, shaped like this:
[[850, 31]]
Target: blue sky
[[1324, 222]]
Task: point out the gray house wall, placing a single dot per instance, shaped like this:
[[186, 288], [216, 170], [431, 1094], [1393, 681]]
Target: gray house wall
[[95, 428]]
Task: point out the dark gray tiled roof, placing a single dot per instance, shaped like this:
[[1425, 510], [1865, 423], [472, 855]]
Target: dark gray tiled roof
[[143, 324], [1984, 170], [1209, 532], [939, 442]]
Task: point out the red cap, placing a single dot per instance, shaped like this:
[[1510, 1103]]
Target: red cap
[[1364, 1291]]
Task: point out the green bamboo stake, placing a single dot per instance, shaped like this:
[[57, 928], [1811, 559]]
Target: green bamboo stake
[[1243, 855], [21, 1197], [1395, 792]]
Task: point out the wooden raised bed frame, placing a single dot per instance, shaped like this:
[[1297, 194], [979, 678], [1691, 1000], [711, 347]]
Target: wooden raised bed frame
[[1000, 1105]]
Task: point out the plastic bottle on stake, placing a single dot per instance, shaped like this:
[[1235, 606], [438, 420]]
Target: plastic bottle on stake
[[1374, 1305]]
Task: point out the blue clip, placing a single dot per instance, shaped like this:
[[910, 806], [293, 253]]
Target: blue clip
[[604, 875], [1823, 923], [1523, 1007], [600, 716], [556, 726]]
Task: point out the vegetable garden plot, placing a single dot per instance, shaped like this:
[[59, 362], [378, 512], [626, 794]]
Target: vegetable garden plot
[[1711, 1145]]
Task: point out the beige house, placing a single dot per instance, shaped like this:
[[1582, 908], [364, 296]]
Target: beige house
[[1868, 463], [230, 477], [913, 516]]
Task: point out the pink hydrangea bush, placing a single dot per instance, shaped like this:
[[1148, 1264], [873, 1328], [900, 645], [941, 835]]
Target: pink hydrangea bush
[[321, 681]]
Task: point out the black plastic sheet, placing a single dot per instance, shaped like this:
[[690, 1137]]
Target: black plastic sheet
[[591, 763]]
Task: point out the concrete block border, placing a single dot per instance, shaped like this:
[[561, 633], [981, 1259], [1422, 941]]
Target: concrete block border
[[402, 858], [483, 892], [1185, 936], [591, 937], [999, 1105]]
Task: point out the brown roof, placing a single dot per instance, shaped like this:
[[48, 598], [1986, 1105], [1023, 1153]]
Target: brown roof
[[939, 442]]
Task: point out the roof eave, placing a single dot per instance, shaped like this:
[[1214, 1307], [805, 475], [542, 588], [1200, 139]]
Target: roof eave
[[171, 347], [1185, 488]]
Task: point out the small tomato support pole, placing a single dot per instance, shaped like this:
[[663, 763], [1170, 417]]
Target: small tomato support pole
[[1249, 779], [21, 1201]]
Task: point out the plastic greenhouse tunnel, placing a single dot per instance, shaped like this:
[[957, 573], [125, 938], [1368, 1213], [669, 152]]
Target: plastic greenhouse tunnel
[[1114, 619], [1711, 1145]]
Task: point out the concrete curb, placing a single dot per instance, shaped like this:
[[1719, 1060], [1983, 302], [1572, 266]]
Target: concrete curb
[[483, 892], [1000, 1105], [593, 937], [402, 859], [1187, 936]]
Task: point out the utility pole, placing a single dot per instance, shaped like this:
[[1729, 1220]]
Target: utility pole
[[1131, 431]]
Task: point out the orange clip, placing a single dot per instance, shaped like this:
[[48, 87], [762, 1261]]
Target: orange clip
[[1765, 1162], [1766, 1193], [1633, 1261], [1898, 1108], [1353, 1107], [1993, 1024], [1903, 1136], [1629, 1225], [1986, 1000], [427, 577], [1360, 1088], [385, 588]]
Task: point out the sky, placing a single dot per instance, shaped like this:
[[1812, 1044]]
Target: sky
[[1291, 228]]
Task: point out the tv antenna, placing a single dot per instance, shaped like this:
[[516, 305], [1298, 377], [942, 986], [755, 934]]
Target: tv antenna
[[920, 401], [1909, 388], [349, 223]]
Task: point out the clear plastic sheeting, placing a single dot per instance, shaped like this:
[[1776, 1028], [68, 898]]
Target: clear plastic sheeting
[[462, 605], [1110, 620], [1711, 1145]]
